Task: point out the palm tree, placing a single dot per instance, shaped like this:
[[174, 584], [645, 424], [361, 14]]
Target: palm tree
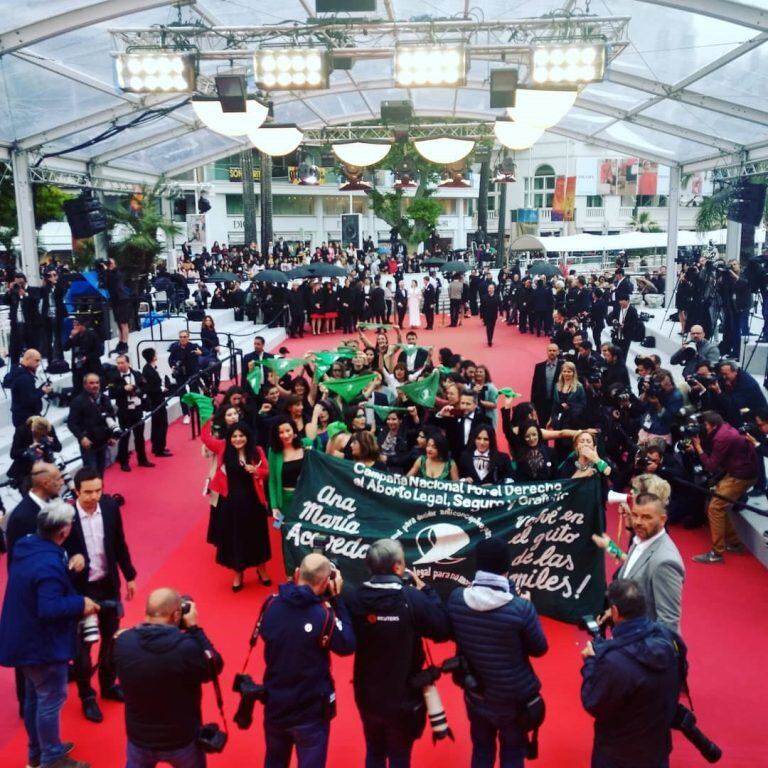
[[642, 222]]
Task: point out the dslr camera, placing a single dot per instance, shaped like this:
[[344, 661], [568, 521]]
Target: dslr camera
[[250, 692]]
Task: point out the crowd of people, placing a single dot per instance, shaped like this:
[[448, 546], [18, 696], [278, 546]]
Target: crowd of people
[[685, 446]]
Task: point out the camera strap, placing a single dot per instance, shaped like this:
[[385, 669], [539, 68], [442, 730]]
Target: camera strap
[[217, 690], [254, 638]]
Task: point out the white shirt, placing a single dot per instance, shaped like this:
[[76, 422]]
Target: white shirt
[[40, 502], [93, 533], [482, 463], [637, 552], [133, 401]]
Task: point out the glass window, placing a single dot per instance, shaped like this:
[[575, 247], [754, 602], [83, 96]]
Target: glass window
[[594, 201], [293, 205], [335, 205], [448, 205], [544, 187], [234, 205]]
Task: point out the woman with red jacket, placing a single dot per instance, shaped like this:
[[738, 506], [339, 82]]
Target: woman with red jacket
[[241, 533]]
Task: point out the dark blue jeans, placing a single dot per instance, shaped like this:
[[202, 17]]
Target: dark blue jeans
[[600, 760], [310, 740], [485, 727], [45, 687], [190, 756], [389, 740]]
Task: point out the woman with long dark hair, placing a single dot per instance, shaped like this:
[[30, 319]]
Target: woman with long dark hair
[[533, 456], [482, 463], [436, 463], [241, 531], [286, 459], [209, 340]]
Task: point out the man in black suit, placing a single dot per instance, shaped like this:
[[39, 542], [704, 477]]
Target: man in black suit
[[128, 389], [257, 354], [86, 353], [23, 315], [544, 381], [459, 428], [156, 394], [628, 329], [184, 359], [98, 554], [622, 288], [489, 312], [92, 421], [414, 357], [428, 297], [52, 312]]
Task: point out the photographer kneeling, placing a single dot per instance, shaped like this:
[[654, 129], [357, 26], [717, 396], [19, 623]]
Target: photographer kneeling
[[393, 609], [161, 665], [663, 405]]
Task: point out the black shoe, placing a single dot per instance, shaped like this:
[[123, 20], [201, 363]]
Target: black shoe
[[114, 692], [125, 467], [165, 454], [146, 463], [68, 746], [92, 711], [267, 582], [121, 348]]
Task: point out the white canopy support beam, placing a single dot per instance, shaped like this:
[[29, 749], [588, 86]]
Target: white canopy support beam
[[25, 217], [673, 214], [203, 160], [145, 143], [77, 18], [724, 10], [686, 97], [688, 134]]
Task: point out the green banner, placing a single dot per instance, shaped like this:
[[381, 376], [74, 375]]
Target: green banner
[[255, 378], [203, 404], [549, 525]]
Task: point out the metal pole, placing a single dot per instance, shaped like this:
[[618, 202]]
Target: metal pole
[[673, 208], [25, 217], [249, 197]]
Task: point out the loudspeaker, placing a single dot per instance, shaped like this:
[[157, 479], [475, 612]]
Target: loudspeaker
[[350, 229], [231, 90], [342, 62], [747, 203], [180, 206], [503, 87], [203, 206], [344, 6], [85, 216], [396, 111]]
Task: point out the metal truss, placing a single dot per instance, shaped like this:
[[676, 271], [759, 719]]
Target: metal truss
[[464, 130]]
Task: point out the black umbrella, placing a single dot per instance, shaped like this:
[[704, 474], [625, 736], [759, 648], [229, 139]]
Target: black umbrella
[[455, 266], [271, 276], [545, 268], [225, 276], [321, 269], [297, 272], [433, 261]]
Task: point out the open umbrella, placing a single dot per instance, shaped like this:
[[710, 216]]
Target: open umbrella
[[227, 277], [455, 266], [321, 269], [433, 261], [299, 272], [270, 276], [545, 268]]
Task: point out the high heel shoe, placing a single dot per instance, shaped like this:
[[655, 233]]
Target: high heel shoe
[[238, 587], [265, 580]]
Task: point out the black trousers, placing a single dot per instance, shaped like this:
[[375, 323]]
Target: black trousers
[[297, 324], [159, 430], [455, 310], [490, 329], [127, 422], [388, 304], [429, 316], [523, 318], [109, 622], [52, 335], [400, 316]]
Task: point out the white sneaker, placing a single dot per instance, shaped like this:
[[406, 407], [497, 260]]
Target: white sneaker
[[187, 419]]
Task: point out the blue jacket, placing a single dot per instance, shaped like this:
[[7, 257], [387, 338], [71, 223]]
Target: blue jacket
[[631, 687], [41, 608], [298, 670], [26, 397], [746, 393], [497, 632]]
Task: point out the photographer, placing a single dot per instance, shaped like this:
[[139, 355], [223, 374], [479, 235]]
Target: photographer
[[735, 297], [698, 349], [97, 549], [497, 632], [121, 298], [626, 325], [663, 404], [615, 367], [26, 395], [741, 392], [724, 450], [161, 665], [37, 631], [92, 421], [128, 391], [184, 359], [705, 392], [393, 609], [52, 314], [306, 621], [34, 441], [23, 315], [86, 353], [631, 685]]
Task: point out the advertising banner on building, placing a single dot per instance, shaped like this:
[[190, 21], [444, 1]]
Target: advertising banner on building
[[607, 176], [627, 178], [586, 176], [196, 231], [343, 507], [236, 173], [564, 202]]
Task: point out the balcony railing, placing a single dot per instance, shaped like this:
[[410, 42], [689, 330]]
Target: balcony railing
[[594, 213]]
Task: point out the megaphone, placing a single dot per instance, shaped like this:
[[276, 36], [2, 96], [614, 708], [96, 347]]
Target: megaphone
[[617, 498]]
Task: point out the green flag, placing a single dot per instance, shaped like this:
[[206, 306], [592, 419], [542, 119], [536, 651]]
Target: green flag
[[349, 389], [255, 378], [281, 365], [423, 391], [382, 411], [375, 325], [445, 370], [203, 404], [509, 392]]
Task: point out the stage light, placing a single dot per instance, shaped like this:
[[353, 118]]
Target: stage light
[[361, 154], [209, 110], [276, 140], [444, 150], [541, 107], [156, 71], [430, 65], [308, 173], [516, 135], [354, 179], [505, 171], [294, 69], [567, 64]]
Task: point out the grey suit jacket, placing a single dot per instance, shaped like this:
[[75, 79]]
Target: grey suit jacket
[[660, 573]]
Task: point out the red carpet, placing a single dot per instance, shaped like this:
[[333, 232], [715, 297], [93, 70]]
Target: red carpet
[[724, 621]]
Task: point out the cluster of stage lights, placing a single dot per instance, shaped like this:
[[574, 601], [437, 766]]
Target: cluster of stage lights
[[291, 68], [155, 71], [430, 65], [567, 64]]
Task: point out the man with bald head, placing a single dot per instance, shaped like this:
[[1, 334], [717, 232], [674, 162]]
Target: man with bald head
[[162, 664], [26, 395], [301, 625], [692, 355]]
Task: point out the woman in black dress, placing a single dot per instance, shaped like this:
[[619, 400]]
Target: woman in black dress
[[241, 531]]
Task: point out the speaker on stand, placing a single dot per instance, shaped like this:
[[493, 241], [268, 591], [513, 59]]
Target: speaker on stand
[[351, 231]]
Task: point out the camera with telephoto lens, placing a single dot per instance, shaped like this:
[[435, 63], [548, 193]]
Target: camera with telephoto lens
[[458, 667], [685, 722], [112, 426], [89, 625], [641, 460], [438, 721], [618, 394], [250, 692], [186, 607]]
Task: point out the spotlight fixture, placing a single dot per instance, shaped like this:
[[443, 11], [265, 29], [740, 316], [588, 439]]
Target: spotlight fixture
[[430, 65], [354, 179], [361, 154], [291, 69], [152, 70], [444, 150], [560, 65], [276, 140], [516, 135], [542, 107], [505, 171], [405, 174], [308, 174], [210, 111], [453, 177]]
